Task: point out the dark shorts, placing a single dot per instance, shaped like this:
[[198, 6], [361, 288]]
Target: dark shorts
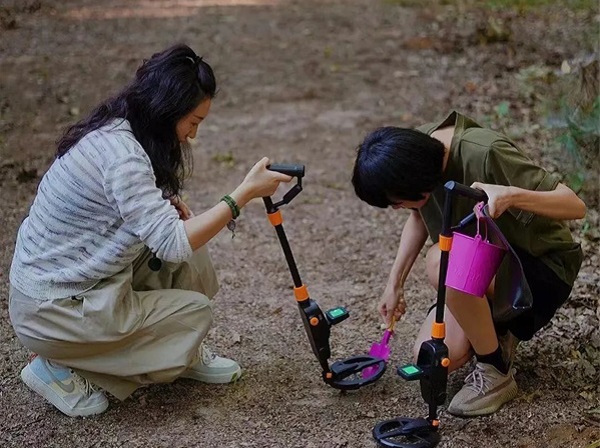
[[549, 293]]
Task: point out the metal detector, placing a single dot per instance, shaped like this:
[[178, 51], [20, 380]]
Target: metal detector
[[345, 374], [431, 368]]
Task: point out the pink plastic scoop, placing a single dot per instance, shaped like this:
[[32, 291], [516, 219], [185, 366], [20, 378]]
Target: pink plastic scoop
[[380, 350]]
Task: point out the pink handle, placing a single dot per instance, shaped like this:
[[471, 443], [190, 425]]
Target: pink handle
[[478, 209]]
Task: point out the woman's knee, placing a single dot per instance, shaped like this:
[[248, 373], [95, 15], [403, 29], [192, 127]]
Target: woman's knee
[[417, 348], [198, 274], [198, 309], [201, 302], [432, 265], [459, 347], [458, 353]]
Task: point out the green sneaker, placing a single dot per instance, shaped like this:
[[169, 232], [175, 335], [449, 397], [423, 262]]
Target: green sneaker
[[486, 389], [67, 391], [213, 369]]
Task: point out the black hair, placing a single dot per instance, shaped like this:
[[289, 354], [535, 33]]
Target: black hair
[[166, 88], [397, 164]]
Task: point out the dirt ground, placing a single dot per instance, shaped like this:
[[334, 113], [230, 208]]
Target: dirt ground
[[300, 81]]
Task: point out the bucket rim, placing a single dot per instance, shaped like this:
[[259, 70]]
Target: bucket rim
[[478, 239]]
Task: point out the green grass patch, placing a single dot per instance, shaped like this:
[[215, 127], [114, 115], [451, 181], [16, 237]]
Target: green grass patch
[[521, 5], [531, 4]]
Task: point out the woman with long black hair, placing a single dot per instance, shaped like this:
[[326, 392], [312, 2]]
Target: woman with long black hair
[[111, 281]]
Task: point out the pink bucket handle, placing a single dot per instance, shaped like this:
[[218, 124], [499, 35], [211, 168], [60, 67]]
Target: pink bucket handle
[[478, 209]]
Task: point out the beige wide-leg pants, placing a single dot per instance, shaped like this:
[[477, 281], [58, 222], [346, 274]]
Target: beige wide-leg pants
[[137, 327]]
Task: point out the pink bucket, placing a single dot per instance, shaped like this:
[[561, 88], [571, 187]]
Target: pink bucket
[[473, 263]]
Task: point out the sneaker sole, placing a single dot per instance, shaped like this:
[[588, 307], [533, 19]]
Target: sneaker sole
[[215, 378], [507, 396], [37, 385]]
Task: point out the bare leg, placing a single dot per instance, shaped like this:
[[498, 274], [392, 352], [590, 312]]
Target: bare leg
[[471, 314], [459, 348], [487, 387]]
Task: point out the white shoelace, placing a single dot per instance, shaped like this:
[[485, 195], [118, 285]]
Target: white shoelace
[[479, 382], [476, 380], [208, 355], [83, 384]]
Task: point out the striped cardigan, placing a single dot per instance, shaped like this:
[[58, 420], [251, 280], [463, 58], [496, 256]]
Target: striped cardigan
[[95, 210]]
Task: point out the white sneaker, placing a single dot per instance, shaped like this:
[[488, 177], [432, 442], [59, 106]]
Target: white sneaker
[[67, 391], [213, 369], [486, 389]]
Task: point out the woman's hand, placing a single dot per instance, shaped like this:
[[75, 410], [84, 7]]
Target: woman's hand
[[561, 203], [184, 211], [499, 197], [258, 183], [392, 303]]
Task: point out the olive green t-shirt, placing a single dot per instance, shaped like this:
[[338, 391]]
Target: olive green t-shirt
[[487, 156]]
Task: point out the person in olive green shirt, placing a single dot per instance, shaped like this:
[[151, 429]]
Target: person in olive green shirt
[[407, 168]]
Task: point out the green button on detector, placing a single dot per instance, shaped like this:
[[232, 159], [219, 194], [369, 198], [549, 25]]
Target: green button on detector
[[410, 370], [336, 312]]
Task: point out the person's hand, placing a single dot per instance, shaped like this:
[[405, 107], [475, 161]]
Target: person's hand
[[261, 182], [392, 303], [498, 197], [184, 211]]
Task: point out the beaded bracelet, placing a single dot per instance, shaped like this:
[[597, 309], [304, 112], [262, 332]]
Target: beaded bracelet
[[235, 210]]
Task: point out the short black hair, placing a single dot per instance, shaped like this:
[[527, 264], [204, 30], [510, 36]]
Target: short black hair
[[397, 163]]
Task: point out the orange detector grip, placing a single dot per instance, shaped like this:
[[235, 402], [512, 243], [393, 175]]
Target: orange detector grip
[[438, 330], [445, 243], [301, 293], [275, 218]]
